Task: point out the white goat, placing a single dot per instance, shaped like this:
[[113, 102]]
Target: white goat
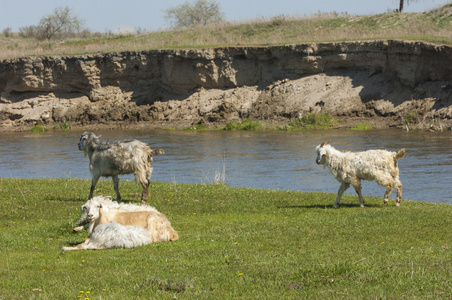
[[110, 159], [114, 235], [350, 168], [157, 225], [106, 201]]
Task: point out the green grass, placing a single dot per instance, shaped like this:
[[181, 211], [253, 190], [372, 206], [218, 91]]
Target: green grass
[[362, 127], [199, 127], [234, 243], [430, 26], [246, 124], [311, 121]]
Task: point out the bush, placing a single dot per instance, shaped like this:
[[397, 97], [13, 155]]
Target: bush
[[201, 12]]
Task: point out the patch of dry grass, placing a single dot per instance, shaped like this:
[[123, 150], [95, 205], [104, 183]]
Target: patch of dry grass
[[432, 26]]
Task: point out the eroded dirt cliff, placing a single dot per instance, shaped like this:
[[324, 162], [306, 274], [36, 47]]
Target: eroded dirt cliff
[[395, 81]]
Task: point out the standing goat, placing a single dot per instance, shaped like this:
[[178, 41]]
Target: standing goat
[[110, 159], [350, 168]]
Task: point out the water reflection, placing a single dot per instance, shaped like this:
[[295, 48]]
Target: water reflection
[[269, 160]]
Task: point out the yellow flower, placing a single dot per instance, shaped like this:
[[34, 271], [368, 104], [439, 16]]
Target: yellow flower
[[103, 290], [88, 292], [240, 274], [81, 292], [235, 243]]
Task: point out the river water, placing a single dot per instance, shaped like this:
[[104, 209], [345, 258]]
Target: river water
[[263, 159]]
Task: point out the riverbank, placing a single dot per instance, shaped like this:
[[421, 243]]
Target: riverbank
[[393, 83], [234, 243]]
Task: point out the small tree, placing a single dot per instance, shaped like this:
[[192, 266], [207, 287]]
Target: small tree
[[28, 31], [7, 31], [58, 25], [200, 12], [401, 3]]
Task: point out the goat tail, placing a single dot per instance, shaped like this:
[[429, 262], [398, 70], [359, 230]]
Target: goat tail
[[157, 152], [400, 154], [160, 230]]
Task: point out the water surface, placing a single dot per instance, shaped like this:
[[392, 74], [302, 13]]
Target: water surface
[[268, 160]]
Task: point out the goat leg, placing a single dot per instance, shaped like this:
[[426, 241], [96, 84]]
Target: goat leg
[[344, 186], [388, 193], [116, 185], [93, 186], [399, 192], [360, 195]]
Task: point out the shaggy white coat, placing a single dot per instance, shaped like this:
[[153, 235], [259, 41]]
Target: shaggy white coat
[[157, 225], [110, 159], [114, 235], [106, 201], [350, 168]]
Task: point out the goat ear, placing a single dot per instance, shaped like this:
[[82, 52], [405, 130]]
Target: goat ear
[[325, 143]]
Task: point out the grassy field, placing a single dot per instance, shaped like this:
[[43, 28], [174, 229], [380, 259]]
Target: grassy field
[[235, 243], [431, 26]]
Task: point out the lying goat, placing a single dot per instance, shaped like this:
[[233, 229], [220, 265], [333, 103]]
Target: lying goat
[[106, 201], [114, 235], [110, 159], [350, 168], [157, 225]]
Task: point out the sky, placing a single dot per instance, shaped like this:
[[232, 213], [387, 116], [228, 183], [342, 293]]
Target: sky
[[115, 15]]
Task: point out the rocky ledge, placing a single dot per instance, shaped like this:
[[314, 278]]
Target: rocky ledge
[[399, 82]]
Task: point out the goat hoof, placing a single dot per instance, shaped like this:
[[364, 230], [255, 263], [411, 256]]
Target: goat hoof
[[362, 205], [386, 201], [397, 204]]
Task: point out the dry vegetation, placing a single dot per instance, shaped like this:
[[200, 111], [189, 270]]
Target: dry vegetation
[[432, 26]]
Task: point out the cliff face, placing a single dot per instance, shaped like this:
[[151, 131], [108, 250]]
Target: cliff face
[[363, 79]]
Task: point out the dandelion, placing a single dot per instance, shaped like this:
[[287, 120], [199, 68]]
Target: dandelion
[[236, 243], [382, 242], [88, 292], [103, 290], [309, 235], [81, 292], [241, 274], [194, 214], [44, 270]]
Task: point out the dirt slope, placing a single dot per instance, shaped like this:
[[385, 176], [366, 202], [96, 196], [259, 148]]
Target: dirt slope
[[387, 83]]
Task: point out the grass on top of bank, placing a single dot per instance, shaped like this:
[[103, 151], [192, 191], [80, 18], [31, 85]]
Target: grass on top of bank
[[431, 26], [234, 243]]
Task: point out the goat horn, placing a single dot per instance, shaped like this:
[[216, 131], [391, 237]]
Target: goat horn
[[325, 142]]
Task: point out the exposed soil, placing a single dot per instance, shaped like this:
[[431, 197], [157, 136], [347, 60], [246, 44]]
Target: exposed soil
[[383, 83]]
